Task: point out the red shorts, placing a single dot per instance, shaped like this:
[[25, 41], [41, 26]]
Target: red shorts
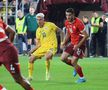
[[9, 57], [77, 53]]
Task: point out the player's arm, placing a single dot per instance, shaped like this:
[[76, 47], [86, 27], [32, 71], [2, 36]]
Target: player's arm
[[36, 47], [85, 36], [66, 38], [11, 33]]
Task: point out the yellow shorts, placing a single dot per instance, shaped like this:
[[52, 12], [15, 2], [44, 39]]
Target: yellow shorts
[[41, 51]]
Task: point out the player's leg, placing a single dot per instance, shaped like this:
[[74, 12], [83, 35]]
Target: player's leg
[[79, 53], [68, 51], [31, 66], [47, 62], [48, 57], [14, 69], [73, 62], [12, 65], [35, 55], [74, 73], [23, 82], [64, 58], [78, 69]]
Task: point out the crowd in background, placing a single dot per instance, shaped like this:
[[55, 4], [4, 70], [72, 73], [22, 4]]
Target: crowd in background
[[96, 27]]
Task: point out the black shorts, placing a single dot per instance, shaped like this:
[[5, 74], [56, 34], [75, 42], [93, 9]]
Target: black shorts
[[31, 34]]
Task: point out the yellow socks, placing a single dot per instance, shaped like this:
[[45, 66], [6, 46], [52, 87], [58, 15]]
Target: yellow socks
[[30, 69], [47, 69], [47, 66]]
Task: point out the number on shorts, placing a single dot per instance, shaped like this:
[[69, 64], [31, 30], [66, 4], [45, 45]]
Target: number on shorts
[[12, 67], [78, 51]]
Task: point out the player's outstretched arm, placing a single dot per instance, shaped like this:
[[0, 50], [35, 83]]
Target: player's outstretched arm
[[85, 36]]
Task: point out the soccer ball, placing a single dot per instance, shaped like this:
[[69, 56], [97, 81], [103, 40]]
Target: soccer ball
[[2, 88]]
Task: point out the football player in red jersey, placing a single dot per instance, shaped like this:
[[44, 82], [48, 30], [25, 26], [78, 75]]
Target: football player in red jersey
[[76, 32], [9, 55]]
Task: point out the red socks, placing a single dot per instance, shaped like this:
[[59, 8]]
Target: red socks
[[79, 71], [1, 87]]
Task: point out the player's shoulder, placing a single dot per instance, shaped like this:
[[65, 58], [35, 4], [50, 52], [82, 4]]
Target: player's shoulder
[[79, 22], [38, 30], [51, 24], [78, 19]]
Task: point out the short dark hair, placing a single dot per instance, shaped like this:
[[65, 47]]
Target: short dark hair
[[71, 10]]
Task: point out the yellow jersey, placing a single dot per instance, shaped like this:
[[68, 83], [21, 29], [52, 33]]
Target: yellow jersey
[[47, 35]]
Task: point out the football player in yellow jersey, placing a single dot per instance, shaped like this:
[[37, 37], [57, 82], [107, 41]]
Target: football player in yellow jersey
[[46, 44]]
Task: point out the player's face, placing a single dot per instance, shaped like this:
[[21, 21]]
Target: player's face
[[40, 21], [69, 16]]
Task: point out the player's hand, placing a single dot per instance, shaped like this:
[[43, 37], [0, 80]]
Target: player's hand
[[62, 46], [75, 47]]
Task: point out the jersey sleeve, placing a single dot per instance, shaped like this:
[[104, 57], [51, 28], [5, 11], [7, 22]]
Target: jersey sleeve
[[81, 26], [5, 26], [54, 27]]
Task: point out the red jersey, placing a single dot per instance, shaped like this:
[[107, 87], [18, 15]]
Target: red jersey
[[3, 35], [75, 30]]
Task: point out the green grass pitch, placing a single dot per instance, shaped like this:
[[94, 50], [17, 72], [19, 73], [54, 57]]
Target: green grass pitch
[[95, 70]]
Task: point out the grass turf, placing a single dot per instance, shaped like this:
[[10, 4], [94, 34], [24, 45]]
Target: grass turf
[[95, 70]]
